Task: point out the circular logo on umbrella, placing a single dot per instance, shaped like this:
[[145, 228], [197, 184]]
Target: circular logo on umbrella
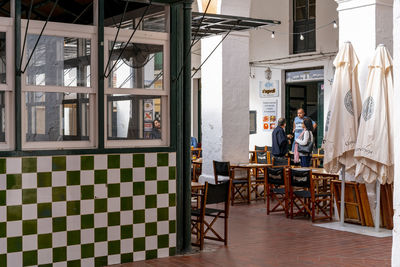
[[328, 120], [348, 102], [368, 108]]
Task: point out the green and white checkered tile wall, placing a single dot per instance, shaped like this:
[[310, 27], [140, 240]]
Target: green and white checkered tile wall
[[91, 210]]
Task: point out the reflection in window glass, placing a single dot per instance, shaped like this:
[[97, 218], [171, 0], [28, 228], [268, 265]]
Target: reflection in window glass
[[2, 117], [57, 116], [155, 19], [140, 66], [3, 57], [59, 61], [133, 117]]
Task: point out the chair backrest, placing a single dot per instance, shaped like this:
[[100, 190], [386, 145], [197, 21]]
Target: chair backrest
[[221, 168], [300, 178], [261, 157], [276, 176], [284, 162], [260, 148], [218, 193], [269, 148]]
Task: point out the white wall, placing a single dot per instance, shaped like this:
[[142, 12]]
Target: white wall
[[396, 194], [277, 51]]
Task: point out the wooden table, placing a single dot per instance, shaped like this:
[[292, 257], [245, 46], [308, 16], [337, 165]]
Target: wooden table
[[248, 167], [316, 160], [197, 165], [197, 186], [195, 153]]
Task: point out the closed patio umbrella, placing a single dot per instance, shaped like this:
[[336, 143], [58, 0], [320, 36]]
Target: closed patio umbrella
[[374, 147], [342, 117], [343, 113]]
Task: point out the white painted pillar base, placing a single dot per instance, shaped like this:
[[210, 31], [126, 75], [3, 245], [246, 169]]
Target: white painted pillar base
[[396, 123], [225, 102]]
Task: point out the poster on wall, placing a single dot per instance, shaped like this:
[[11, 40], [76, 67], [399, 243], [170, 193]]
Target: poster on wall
[[269, 88], [270, 115], [147, 117]]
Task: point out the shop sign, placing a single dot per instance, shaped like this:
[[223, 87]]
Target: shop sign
[[269, 88], [270, 115], [305, 75]]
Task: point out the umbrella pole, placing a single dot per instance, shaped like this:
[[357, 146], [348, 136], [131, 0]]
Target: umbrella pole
[[342, 197], [378, 206]]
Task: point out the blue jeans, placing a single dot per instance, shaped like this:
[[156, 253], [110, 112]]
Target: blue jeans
[[305, 161]]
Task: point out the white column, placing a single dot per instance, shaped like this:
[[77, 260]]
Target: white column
[[366, 23], [396, 123], [225, 101]]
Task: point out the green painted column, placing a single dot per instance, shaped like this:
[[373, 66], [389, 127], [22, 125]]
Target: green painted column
[[180, 99], [17, 81], [187, 84], [176, 56], [100, 89]]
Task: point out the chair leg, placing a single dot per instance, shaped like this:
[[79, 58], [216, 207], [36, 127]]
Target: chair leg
[[232, 195], [313, 211], [202, 235], [226, 231], [268, 199], [291, 206]]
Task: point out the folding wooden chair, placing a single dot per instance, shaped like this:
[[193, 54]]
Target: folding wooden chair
[[222, 172], [305, 197], [277, 190], [202, 227]]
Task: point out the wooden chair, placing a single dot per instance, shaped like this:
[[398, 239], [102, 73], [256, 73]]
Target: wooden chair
[[259, 178], [277, 189], [203, 227], [305, 197], [222, 172], [261, 148], [277, 162]]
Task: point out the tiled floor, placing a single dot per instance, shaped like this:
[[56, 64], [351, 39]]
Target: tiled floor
[[257, 239]]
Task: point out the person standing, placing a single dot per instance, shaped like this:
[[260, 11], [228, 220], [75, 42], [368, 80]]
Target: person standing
[[279, 140], [298, 124], [156, 131], [304, 139]]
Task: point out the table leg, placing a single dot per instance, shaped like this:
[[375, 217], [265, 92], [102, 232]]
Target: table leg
[[248, 185]]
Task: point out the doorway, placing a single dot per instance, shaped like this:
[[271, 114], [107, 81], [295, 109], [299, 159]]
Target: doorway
[[310, 97]]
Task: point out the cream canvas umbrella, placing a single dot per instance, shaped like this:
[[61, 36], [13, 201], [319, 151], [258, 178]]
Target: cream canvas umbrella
[[374, 147], [342, 117]]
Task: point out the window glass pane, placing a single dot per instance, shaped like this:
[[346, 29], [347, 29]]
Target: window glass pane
[[2, 117], [57, 116], [133, 117], [66, 11], [140, 66], [59, 61], [300, 3], [301, 13], [3, 56], [311, 10], [154, 20]]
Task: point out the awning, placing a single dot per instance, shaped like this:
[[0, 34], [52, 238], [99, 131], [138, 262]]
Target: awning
[[213, 24]]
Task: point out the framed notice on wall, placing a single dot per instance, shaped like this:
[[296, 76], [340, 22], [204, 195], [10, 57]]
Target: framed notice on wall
[[270, 113]]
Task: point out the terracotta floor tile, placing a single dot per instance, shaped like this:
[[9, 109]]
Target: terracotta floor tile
[[258, 239]]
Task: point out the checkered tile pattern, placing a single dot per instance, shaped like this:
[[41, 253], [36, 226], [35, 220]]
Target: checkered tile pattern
[[90, 210]]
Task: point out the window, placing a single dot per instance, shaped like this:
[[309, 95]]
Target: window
[[155, 19], [304, 22], [6, 83], [58, 88], [137, 92]]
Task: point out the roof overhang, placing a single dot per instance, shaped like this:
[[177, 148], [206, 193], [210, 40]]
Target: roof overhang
[[214, 24]]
